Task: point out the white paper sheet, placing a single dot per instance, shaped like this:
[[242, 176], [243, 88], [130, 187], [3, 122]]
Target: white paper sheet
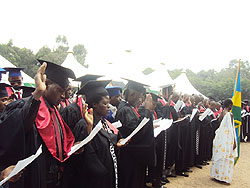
[[207, 112], [178, 105], [193, 114], [87, 139], [117, 124], [246, 114], [21, 165], [164, 124], [180, 119], [143, 122]]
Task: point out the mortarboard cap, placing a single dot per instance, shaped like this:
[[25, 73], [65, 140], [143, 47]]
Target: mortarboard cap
[[14, 71], [114, 90], [246, 101], [2, 71], [27, 91], [3, 91], [58, 73], [94, 88], [137, 86], [84, 79]]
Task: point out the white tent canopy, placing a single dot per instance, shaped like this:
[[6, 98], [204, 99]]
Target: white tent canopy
[[159, 78], [5, 63], [184, 86], [71, 63], [122, 65]]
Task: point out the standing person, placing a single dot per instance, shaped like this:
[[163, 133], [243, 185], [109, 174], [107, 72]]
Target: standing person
[[16, 80], [115, 99], [66, 100], [224, 146], [169, 111], [44, 126], [72, 113], [140, 151], [100, 161]]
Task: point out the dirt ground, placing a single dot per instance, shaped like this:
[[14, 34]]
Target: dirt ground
[[201, 177]]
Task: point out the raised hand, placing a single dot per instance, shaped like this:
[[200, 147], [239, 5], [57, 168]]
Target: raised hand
[[89, 117], [148, 103], [40, 79]]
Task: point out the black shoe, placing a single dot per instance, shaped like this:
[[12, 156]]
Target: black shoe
[[171, 175], [198, 166], [163, 182], [182, 174], [188, 170], [158, 184]]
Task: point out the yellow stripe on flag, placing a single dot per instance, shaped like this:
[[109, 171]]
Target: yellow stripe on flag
[[237, 99]]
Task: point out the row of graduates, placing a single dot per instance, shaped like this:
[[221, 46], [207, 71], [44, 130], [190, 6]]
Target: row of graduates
[[30, 122], [27, 123], [189, 140]]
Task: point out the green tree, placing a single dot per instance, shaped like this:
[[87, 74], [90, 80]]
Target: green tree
[[80, 53]]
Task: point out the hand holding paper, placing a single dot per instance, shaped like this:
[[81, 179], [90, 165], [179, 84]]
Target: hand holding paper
[[21, 165], [139, 127], [164, 124], [87, 139]]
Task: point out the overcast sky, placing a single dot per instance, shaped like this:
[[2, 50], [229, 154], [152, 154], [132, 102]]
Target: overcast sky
[[194, 34]]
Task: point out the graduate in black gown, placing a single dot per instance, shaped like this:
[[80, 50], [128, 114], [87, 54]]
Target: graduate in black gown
[[44, 126], [73, 112], [155, 171], [7, 159], [169, 111], [140, 152], [100, 160]]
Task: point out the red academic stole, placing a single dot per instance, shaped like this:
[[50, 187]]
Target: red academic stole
[[78, 101], [247, 107], [162, 102], [202, 109], [136, 112], [9, 91], [216, 114], [172, 104], [45, 128], [115, 130], [155, 115]]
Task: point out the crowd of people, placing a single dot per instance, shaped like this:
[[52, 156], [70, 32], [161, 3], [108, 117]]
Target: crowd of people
[[56, 117]]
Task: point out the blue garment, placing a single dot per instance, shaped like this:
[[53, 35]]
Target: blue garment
[[110, 117]]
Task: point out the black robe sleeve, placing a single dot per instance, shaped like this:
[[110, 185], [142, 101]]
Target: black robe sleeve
[[141, 146], [15, 121], [71, 114]]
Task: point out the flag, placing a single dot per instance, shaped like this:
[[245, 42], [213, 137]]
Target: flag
[[236, 110]]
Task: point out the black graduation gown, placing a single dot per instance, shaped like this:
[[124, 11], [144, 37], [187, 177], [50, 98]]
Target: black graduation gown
[[45, 171], [74, 171], [182, 149], [169, 112], [140, 151], [98, 162], [159, 109], [71, 114], [12, 135]]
